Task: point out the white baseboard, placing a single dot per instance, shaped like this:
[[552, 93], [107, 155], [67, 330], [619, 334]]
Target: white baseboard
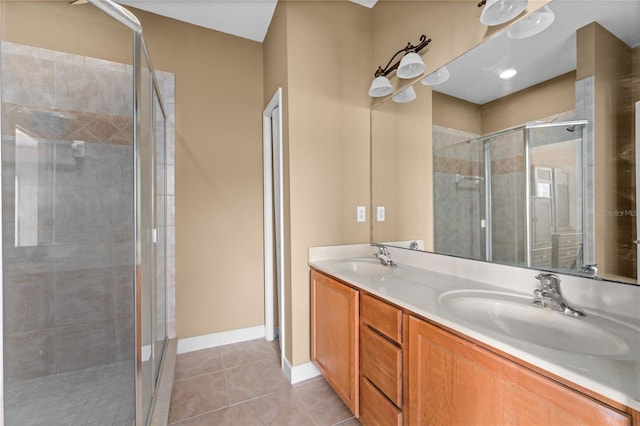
[[299, 373], [207, 341]]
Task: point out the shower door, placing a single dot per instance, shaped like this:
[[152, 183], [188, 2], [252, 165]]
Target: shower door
[[555, 188], [83, 221], [150, 229]]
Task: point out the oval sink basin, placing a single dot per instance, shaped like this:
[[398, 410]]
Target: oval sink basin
[[369, 267], [514, 316]]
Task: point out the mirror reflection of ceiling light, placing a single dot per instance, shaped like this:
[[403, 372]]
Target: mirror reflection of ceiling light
[[533, 24], [508, 73], [407, 95], [437, 77], [498, 12]]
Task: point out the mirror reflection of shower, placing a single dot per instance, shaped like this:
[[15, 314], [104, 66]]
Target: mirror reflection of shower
[[487, 188]]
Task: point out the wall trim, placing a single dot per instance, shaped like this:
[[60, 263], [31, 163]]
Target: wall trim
[[207, 341], [299, 373]]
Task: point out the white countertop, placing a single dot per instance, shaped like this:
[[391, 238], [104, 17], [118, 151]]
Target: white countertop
[[418, 290]]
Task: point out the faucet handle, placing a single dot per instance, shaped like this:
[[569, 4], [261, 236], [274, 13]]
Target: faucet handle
[[549, 282]]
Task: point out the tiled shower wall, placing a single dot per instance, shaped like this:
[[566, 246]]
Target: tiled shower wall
[[68, 296], [458, 206]]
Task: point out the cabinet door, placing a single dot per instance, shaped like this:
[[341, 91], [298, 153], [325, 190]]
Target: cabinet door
[[334, 336], [454, 382]]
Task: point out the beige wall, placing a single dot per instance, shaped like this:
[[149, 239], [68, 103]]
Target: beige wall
[[276, 75], [456, 113], [546, 99], [608, 60], [82, 30], [401, 164], [219, 102], [328, 147]]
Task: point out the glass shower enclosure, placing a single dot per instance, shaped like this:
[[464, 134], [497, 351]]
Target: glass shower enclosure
[[514, 196], [84, 225]]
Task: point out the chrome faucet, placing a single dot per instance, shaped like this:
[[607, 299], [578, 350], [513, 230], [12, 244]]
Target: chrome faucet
[[549, 296], [383, 255]]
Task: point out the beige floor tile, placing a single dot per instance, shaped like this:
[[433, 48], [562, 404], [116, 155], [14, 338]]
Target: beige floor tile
[[246, 352], [199, 362], [324, 405], [198, 395], [281, 408], [222, 417], [255, 379]]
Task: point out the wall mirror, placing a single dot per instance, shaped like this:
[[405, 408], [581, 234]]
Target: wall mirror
[[536, 170]]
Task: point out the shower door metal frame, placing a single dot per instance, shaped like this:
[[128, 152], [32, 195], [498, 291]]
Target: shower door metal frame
[[488, 225], [143, 235]]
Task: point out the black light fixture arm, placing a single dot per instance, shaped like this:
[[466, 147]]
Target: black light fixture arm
[[409, 48], [482, 3]]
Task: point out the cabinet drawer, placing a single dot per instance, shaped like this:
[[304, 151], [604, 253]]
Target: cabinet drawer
[[383, 317], [375, 409], [566, 239], [382, 364]]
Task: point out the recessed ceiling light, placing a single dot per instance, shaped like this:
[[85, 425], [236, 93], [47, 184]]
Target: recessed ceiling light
[[508, 73]]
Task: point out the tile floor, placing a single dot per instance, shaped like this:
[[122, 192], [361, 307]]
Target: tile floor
[[242, 385], [102, 395]]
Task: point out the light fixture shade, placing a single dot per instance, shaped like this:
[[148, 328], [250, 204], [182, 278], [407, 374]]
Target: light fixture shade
[[532, 24], [410, 66], [380, 86], [498, 12], [407, 95], [437, 77]]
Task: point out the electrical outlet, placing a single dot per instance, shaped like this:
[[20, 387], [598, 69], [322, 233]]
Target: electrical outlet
[[380, 213], [361, 214]]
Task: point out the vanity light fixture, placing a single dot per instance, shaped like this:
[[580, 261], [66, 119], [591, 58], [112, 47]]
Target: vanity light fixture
[[407, 95], [532, 24], [498, 12], [508, 73], [439, 76], [410, 66]]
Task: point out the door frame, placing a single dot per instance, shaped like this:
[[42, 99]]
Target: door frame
[[273, 226]]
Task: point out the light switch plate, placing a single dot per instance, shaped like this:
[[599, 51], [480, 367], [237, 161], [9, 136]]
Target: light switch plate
[[361, 214], [380, 213]]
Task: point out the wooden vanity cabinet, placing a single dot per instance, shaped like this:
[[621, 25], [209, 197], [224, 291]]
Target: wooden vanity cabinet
[[455, 382], [335, 316], [381, 399], [391, 367]]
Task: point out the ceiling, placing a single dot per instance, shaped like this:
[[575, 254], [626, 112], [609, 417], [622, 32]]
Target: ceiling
[[248, 19], [474, 75]]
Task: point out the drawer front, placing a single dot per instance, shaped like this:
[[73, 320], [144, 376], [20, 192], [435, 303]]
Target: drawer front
[[564, 240], [383, 317], [541, 257], [382, 364], [375, 409]]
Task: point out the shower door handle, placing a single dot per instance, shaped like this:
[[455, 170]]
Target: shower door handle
[[153, 236]]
